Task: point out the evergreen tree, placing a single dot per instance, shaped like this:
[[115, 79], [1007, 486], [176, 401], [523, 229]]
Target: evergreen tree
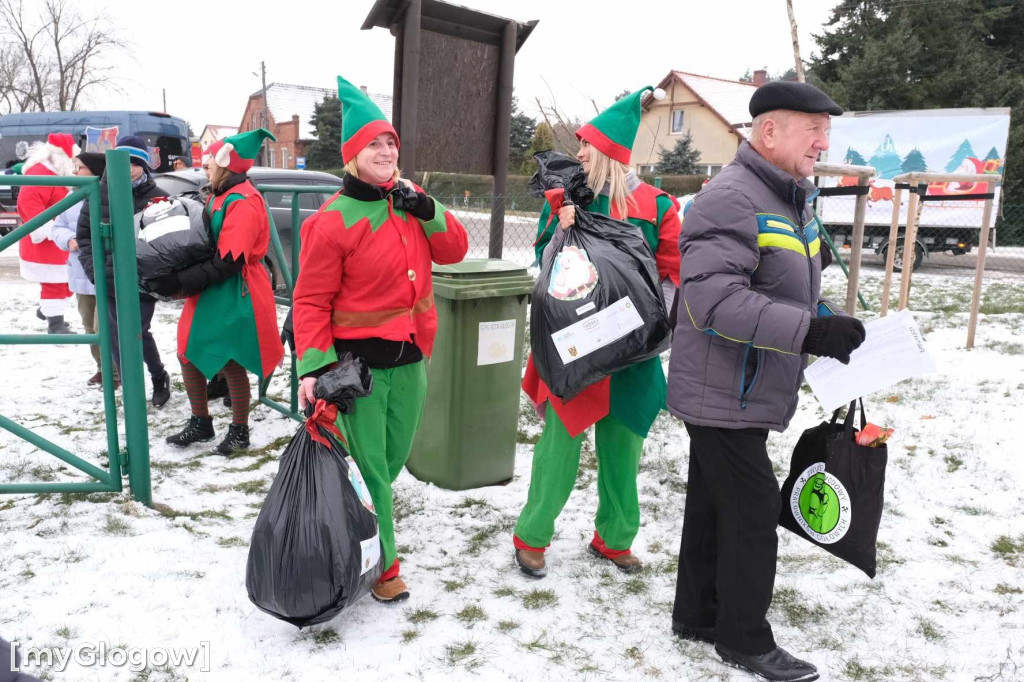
[[914, 162], [880, 54], [992, 155], [854, 158], [520, 135], [543, 140], [682, 159], [964, 151], [325, 152]]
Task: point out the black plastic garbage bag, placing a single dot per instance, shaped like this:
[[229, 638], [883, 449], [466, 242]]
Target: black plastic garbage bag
[[559, 171], [834, 493], [315, 548], [349, 379], [171, 235], [597, 306]]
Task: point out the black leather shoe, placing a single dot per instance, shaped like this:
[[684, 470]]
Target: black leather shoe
[[161, 390], [198, 430], [777, 665], [237, 439], [693, 633], [217, 387]]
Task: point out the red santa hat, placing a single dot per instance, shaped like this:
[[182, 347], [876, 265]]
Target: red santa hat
[[64, 142]]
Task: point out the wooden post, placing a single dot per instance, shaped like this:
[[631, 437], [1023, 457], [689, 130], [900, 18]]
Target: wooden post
[[856, 247], [980, 269], [410, 85], [909, 239], [890, 250], [502, 127]]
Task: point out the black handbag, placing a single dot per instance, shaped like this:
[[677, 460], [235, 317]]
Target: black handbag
[[834, 493]]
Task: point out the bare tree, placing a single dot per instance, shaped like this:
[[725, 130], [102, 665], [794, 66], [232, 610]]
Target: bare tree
[[796, 43], [52, 57]]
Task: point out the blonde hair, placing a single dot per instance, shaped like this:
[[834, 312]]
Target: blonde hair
[[606, 170], [350, 168]]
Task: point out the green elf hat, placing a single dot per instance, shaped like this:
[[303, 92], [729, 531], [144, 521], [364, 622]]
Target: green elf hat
[[238, 152], [614, 129], [361, 120]]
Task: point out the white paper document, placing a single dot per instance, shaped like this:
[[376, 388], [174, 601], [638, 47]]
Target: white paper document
[[892, 351], [597, 331], [496, 342]]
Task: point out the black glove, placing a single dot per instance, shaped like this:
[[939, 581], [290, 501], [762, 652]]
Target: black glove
[[167, 286], [835, 336], [417, 203]]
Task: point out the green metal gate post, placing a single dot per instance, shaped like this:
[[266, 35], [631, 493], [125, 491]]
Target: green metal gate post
[[129, 323]]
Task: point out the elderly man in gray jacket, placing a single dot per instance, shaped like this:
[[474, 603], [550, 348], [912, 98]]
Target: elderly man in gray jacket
[[749, 311]]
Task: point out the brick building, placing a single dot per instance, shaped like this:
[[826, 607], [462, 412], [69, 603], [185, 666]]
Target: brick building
[[290, 108]]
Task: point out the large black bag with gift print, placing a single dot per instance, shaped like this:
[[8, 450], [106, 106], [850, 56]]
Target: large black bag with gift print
[[834, 492]]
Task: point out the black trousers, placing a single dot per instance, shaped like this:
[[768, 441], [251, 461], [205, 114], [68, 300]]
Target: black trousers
[[150, 353], [729, 544]]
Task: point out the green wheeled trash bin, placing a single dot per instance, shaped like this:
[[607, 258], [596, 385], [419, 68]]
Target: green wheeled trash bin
[[467, 438]]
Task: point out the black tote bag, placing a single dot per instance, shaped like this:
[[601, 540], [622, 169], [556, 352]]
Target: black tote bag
[[834, 493]]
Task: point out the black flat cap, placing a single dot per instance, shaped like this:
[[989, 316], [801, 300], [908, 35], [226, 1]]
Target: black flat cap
[[794, 97]]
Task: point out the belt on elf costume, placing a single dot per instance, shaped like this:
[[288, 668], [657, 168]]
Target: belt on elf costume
[[377, 318]]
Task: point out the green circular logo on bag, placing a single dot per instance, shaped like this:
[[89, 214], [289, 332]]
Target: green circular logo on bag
[[820, 504]]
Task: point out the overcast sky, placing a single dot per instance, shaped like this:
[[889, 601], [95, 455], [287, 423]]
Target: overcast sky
[[205, 53]]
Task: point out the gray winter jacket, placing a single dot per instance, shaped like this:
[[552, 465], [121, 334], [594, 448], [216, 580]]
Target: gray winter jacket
[[749, 286], [64, 228]]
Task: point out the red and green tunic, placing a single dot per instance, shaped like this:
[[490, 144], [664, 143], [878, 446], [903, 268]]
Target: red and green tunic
[[636, 394], [235, 319], [365, 272]]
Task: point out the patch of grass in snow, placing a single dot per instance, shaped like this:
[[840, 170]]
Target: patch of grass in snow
[[66, 632], [166, 467], [171, 513], [255, 466], [636, 585], [257, 486], [6, 506], [233, 542], [73, 556], [539, 599], [974, 511], [325, 636], [470, 615], [420, 616], [929, 630], [456, 584], [409, 635], [507, 625], [406, 505], [1009, 549], [796, 608], [523, 437], [273, 448], [1004, 589], [506, 591], [462, 654], [485, 537], [887, 557], [1006, 347], [952, 463], [115, 525]]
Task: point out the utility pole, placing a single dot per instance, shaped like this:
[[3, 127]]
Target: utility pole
[[796, 43], [165, 100], [266, 111]]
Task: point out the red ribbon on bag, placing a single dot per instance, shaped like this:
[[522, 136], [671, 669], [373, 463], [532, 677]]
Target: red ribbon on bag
[[324, 415]]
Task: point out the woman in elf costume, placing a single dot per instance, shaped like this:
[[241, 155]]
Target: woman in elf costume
[[364, 286], [229, 323], [623, 406]]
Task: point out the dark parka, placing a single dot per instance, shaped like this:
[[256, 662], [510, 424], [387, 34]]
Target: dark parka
[[749, 287]]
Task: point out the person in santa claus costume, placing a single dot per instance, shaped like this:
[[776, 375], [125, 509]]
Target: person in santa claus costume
[[229, 323], [621, 407], [42, 260], [365, 287]]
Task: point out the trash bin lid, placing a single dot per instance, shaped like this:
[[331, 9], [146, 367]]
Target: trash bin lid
[[481, 278]]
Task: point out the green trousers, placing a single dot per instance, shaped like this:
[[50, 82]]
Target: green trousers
[[556, 461], [379, 433]]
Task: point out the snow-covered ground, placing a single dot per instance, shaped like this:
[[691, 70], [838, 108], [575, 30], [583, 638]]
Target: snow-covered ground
[[947, 604]]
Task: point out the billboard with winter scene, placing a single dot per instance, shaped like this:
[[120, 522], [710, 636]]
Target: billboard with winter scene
[[935, 140]]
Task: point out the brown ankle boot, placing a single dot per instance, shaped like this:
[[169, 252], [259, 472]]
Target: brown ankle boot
[[627, 563], [531, 563], [390, 591]]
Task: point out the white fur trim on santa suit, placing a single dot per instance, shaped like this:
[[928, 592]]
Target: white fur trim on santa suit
[[42, 233], [45, 272], [52, 307]]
